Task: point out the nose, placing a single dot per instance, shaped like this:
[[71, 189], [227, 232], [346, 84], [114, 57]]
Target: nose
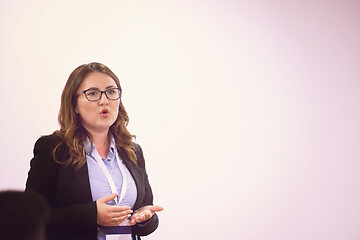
[[103, 99]]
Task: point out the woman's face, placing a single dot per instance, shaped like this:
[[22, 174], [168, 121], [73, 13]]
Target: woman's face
[[97, 116]]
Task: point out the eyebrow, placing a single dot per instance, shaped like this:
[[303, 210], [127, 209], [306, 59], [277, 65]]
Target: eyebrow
[[111, 86], [95, 88]]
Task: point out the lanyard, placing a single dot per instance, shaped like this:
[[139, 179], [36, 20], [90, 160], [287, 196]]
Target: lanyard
[[99, 160]]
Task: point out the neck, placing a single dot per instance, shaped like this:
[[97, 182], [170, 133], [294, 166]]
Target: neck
[[102, 142], [100, 138]]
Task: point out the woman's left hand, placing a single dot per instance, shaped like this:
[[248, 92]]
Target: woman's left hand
[[144, 213]]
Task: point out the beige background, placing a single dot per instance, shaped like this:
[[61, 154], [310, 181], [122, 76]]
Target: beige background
[[248, 111]]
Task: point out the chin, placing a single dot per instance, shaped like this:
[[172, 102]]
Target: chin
[[107, 126]]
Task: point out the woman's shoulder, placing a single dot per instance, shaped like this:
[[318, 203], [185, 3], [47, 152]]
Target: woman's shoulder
[[46, 144], [139, 155], [49, 140], [137, 148]]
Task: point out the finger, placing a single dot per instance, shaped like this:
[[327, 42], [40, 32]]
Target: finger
[[140, 218], [151, 208], [121, 214], [107, 198], [133, 219], [118, 209], [149, 214], [119, 220], [144, 213]]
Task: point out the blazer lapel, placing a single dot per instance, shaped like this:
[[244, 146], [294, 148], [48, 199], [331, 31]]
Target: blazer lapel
[[135, 173], [82, 184], [73, 185]]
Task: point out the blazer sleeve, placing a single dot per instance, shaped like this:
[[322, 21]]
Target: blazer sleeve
[[43, 179], [149, 226]]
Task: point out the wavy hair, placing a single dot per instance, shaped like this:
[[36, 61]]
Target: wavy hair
[[71, 130]]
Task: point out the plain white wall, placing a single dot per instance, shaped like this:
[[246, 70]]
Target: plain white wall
[[248, 111]]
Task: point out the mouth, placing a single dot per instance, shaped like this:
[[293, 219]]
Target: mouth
[[104, 112]]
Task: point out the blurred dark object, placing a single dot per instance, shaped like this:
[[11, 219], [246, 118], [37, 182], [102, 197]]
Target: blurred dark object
[[23, 215]]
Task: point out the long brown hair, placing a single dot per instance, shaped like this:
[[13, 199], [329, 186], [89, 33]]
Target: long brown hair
[[71, 130]]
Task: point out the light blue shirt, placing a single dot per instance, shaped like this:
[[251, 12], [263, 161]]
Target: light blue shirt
[[99, 184]]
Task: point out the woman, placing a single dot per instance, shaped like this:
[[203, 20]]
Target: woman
[[90, 171]]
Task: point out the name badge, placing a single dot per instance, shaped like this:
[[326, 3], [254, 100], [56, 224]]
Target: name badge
[[121, 232]]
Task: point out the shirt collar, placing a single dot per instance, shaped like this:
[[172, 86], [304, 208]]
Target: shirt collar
[[112, 145]]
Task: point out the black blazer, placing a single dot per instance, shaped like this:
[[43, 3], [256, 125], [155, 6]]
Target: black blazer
[[73, 211]]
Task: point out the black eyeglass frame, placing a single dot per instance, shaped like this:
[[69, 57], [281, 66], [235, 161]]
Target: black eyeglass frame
[[101, 93]]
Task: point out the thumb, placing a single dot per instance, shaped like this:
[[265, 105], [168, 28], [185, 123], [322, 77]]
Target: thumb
[[107, 198], [156, 208]]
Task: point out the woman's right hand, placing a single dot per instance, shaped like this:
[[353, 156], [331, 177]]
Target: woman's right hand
[[110, 215]]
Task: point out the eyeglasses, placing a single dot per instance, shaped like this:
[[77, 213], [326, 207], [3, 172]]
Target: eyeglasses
[[95, 94]]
